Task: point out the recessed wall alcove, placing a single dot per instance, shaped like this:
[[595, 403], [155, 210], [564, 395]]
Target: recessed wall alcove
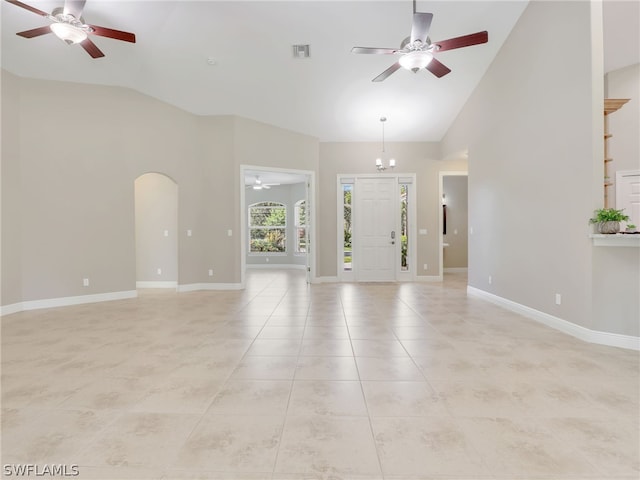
[[156, 218]]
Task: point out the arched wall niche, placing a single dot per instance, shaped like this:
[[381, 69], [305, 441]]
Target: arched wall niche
[[156, 231]]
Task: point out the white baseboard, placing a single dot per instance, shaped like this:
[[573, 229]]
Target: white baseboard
[[153, 284], [456, 270], [192, 287], [9, 309], [582, 333], [275, 266], [66, 301], [428, 278]]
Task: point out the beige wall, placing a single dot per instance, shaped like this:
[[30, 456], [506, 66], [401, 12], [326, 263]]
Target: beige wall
[[11, 178], [616, 283], [533, 128], [531, 172], [75, 200], [217, 212], [68, 185]]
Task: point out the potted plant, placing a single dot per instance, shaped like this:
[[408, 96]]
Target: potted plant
[[631, 228], [607, 220]]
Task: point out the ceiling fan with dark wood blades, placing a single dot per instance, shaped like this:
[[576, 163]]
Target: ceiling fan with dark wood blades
[[417, 51], [68, 25]]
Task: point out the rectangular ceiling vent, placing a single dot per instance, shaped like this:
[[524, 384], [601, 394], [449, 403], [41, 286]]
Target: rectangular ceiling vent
[[301, 51]]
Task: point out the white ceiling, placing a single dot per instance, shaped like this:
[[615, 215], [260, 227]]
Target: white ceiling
[[329, 96]]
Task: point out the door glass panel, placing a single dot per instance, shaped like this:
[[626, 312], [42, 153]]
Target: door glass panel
[[404, 227], [347, 249]]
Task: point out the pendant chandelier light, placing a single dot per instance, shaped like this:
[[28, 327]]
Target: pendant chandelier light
[[380, 166]]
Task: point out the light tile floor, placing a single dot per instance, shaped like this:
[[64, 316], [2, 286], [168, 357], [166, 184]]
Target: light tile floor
[[289, 381]]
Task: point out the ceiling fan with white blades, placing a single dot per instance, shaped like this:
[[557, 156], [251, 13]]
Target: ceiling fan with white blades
[[259, 185], [417, 51], [69, 26]]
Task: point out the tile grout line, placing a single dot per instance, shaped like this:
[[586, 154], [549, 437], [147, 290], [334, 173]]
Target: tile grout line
[[364, 398], [295, 370]]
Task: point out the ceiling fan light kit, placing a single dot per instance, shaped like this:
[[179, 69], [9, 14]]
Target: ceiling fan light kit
[[417, 51], [68, 33], [415, 60], [68, 25]]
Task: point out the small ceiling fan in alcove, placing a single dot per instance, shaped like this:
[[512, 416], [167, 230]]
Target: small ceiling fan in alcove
[[259, 185], [417, 51], [69, 26]]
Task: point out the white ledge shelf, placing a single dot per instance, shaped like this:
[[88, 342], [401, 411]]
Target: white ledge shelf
[[615, 240]]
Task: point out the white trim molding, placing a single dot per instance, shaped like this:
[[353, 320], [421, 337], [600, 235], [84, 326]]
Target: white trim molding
[[192, 287], [577, 331], [66, 301], [9, 309], [158, 284], [615, 240], [275, 266]]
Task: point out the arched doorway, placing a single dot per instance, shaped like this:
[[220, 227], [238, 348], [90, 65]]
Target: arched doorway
[[156, 227]]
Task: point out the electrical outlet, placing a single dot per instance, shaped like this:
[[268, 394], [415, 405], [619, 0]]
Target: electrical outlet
[[166, 233], [470, 230], [189, 233], [455, 231], [490, 280], [85, 282], [558, 299], [425, 267], [211, 272], [229, 233], [159, 271]]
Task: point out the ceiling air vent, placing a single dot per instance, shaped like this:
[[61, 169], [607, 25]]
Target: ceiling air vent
[[301, 51]]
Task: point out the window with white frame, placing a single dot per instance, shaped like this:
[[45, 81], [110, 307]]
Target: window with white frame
[[347, 247], [267, 227], [301, 226]]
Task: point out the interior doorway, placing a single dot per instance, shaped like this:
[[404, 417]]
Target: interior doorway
[[454, 230], [156, 231], [277, 220]]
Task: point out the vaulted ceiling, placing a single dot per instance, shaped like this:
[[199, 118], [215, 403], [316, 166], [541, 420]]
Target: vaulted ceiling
[[216, 58]]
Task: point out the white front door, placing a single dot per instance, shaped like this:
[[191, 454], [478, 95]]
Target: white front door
[[375, 222]]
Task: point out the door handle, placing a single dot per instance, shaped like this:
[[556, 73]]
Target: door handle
[[393, 234]]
